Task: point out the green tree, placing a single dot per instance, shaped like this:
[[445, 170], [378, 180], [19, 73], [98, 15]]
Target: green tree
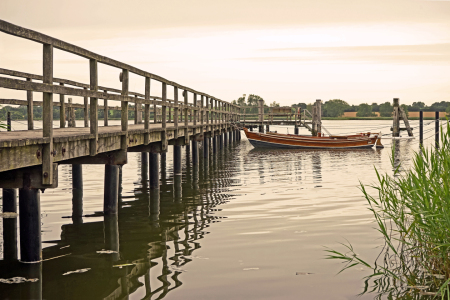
[[334, 108], [364, 110], [386, 109], [417, 106], [274, 104], [375, 107]]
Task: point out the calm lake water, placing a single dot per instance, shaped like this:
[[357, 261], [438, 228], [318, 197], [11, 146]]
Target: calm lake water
[[252, 224]]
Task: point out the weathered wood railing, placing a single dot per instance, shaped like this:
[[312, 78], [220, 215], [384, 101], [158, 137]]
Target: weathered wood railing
[[208, 110]]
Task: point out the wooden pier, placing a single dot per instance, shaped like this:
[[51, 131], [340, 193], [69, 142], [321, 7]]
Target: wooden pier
[[29, 159]]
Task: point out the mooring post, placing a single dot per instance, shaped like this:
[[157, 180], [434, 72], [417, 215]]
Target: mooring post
[[111, 196], [396, 119], [436, 137], [77, 193], [154, 170], [176, 160], [30, 223], [421, 128]]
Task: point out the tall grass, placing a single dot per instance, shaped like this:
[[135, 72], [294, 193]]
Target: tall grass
[[412, 213]]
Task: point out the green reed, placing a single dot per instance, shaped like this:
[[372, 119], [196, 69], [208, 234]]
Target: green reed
[[412, 213]]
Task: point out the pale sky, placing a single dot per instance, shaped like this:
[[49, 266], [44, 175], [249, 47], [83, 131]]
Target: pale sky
[[284, 51]]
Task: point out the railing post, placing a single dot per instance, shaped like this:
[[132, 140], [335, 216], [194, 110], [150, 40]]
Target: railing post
[[175, 110], [124, 113], [62, 110], [105, 110], [155, 113], [195, 110], [47, 117], [436, 127], [86, 111], [93, 107], [163, 117], [147, 111], [30, 108], [421, 128], [202, 113], [186, 120]]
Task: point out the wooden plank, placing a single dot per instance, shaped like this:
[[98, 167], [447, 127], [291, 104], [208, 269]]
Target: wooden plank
[[47, 116], [93, 75]]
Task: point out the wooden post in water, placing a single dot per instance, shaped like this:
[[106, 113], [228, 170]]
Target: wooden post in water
[[421, 128], [111, 232], [30, 222], [319, 117], [30, 117], [194, 151], [111, 186], [436, 136], [154, 170], [177, 160], [396, 119], [77, 193]]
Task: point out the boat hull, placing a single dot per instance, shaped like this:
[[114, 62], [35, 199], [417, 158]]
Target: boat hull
[[272, 145], [287, 141]]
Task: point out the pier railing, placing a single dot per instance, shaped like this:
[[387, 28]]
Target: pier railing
[[203, 110]]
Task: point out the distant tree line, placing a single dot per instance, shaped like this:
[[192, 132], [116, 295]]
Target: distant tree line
[[337, 107]]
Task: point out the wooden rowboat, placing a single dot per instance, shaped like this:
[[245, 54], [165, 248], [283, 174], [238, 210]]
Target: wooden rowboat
[[292, 141]]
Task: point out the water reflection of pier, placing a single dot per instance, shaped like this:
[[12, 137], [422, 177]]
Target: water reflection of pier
[[153, 236]]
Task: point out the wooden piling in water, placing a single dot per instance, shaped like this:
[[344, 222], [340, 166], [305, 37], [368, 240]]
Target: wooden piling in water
[[30, 223], [396, 119], [421, 128], [154, 170], [177, 160], [111, 187], [77, 193], [436, 126], [9, 225]]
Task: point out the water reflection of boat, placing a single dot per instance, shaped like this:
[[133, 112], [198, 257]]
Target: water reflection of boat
[[292, 141]]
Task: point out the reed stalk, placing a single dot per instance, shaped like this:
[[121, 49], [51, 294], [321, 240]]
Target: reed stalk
[[412, 212]]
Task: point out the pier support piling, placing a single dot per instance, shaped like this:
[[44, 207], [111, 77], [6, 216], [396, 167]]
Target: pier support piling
[[30, 224], [111, 196], [296, 130], [225, 139], [261, 128], [214, 140], [194, 152], [10, 225], [77, 193], [154, 170], [177, 160], [205, 147], [267, 128]]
